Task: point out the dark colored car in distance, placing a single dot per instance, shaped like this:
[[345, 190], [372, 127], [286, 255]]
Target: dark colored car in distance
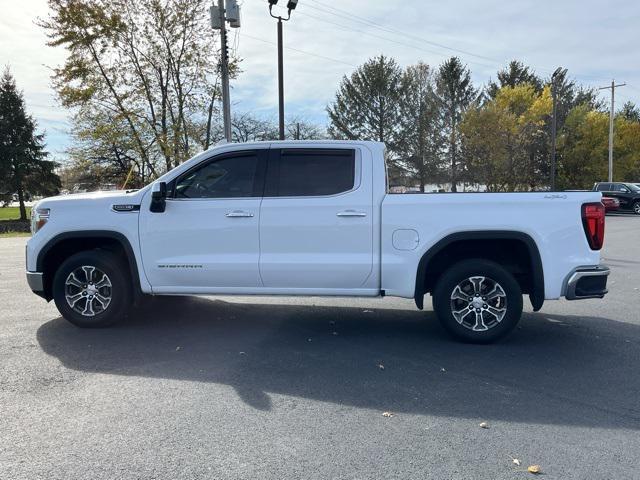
[[610, 204], [627, 193]]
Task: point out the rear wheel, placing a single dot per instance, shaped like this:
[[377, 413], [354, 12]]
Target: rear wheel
[[478, 301], [92, 289], [636, 208]]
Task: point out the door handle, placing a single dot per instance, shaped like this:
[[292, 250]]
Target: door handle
[[238, 213], [351, 213]]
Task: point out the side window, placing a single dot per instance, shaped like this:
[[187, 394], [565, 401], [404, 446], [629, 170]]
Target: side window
[[619, 187], [312, 172], [603, 187], [226, 177]]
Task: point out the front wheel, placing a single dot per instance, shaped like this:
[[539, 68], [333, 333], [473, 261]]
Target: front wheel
[[92, 289], [478, 301]]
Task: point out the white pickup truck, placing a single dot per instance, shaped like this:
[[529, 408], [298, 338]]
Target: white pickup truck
[[315, 218]]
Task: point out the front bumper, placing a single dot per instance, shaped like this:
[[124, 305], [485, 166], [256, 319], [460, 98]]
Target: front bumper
[[587, 282], [36, 283]]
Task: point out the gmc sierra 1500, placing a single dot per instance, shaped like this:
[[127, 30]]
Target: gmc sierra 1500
[[315, 218]]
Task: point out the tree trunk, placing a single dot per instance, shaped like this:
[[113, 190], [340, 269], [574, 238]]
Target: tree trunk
[[23, 210]]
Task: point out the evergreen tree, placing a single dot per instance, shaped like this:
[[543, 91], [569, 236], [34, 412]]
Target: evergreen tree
[[455, 93], [516, 73], [420, 129], [367, 104], [23, 168]]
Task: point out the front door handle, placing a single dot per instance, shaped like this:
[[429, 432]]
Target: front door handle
[[351, 213], [238, 213]]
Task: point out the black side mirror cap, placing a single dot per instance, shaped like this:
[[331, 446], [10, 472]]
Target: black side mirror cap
[[158, 197]]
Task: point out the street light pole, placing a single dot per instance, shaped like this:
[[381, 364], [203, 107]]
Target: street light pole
[[280, 82], [291, 5]]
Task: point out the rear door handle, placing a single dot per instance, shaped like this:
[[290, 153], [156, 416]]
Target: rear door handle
[[238, 213], [351, 213]]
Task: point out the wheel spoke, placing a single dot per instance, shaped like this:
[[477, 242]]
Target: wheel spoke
[[73, 280], [479, 326], [73, 299], [104, 301], [459, 294], [497, 312], [88, 271], [460, 314], [88, 308], [104, 282], [477, 284], [497, 291]]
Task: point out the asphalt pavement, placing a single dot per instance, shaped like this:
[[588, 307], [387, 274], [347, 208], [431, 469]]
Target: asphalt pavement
[[291, 388]]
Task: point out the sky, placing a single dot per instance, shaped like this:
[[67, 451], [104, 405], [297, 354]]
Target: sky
[[327, 39]]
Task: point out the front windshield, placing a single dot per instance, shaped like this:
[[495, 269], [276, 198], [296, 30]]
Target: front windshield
[[634, 188]]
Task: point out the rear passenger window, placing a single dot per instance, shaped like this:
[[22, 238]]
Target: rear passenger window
[[603, 187], [308, 173]]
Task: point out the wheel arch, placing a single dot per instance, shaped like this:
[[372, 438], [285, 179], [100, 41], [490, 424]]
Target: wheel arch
[[453, 242], [60, 247]]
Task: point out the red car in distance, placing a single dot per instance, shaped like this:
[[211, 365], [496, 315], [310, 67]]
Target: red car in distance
[[610, 204]]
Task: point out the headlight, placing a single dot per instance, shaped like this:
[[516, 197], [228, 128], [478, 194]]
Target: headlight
[[39, 216]]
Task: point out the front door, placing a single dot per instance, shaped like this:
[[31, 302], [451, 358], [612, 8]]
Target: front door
[[316, 220], [207, 238]]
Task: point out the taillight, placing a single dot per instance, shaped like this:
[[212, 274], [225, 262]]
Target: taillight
[[593, 223]]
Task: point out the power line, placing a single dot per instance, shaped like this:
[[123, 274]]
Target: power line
[[299, 51]]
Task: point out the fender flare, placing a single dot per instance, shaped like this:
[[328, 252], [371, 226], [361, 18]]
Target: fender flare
[[537, 291], [110, 234]]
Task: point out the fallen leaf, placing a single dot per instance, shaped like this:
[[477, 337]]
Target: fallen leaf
[[534, 469], [484, 425], [387, 414]]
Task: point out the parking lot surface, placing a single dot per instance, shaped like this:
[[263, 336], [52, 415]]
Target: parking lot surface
[[279, 388]]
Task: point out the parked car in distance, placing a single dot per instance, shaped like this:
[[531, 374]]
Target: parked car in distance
[[627, 193], [610, 204], [315, 218]]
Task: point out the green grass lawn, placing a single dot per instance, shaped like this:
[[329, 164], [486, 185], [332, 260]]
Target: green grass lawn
[[12, 213]]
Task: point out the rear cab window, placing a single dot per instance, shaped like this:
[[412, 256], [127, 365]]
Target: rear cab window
[[310, 172]]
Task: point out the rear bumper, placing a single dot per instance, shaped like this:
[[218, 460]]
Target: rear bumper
[[587, 282]]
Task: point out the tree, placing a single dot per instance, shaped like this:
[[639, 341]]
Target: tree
[[502, 138], [420, 129], [630, 112], [455, 93], [141, 75], [516, 73], [23, 167], [300, 129], [367, 104]]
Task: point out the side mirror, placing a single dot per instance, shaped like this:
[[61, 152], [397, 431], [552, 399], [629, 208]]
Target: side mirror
[[158, 197]]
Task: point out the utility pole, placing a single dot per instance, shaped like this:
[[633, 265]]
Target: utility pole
[[611, 119], [291, 5], [559, 72], [219, 17]]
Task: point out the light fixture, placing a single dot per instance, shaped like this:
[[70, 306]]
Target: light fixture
[[291, 5]]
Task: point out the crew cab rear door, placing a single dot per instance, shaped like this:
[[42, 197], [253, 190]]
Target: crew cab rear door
[[316, 220], [206, 240]]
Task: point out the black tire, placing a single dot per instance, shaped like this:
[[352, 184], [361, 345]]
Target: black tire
[[636, 207], [116, 288], [467, 327]]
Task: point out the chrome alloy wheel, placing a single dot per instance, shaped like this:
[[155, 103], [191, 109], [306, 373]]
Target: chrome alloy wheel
[[478, 303], [88, 290]]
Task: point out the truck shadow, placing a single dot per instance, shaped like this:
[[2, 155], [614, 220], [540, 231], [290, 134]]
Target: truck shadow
[[553, 370]]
